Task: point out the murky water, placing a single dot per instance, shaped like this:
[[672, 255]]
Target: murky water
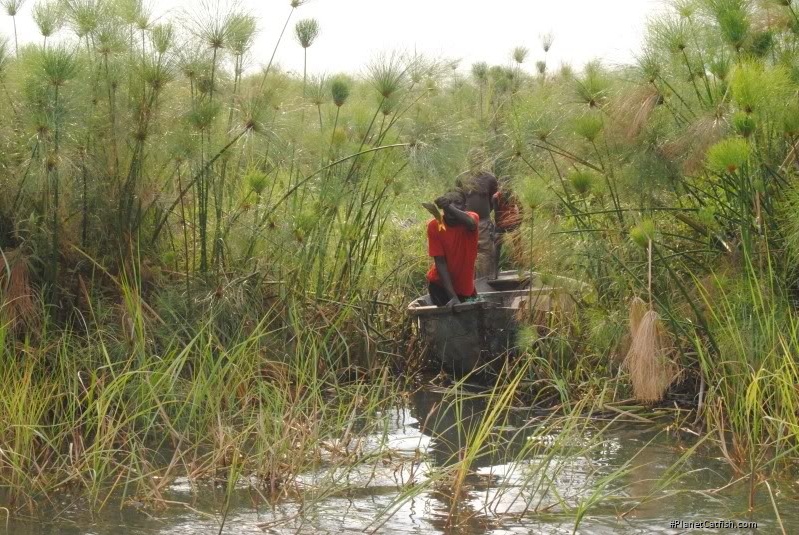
[[506, 492]]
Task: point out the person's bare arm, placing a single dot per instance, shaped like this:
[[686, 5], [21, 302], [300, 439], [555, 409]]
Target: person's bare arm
[[446, 280], [461, 217]]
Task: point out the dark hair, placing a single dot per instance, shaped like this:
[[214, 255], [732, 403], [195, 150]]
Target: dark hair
[[456, 197]]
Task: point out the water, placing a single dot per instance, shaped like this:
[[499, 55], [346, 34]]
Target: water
[[501, 496]]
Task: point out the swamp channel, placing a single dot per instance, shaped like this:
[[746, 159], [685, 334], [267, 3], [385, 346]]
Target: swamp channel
[[532, 473]]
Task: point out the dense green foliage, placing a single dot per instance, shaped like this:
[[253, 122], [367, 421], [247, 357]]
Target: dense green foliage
[[195, 232]]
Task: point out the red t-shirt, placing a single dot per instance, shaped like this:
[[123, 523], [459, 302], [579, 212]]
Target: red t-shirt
[[458, 245]]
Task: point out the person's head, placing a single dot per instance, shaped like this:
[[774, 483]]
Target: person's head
[[455, 198]]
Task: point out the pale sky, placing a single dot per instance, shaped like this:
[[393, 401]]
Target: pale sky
[[353, 32]]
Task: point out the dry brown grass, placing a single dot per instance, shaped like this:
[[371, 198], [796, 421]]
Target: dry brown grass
[[769, 16], [649, 360], [631, 111], [691, 146], [638, 309], [18, 308]]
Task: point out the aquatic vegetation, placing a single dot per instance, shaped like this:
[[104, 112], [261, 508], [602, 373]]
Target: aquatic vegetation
[[728, 155], [205, 277], [11, 8], [582, 182], [48, 17], [519, 54], [592, 88], [306, 31]]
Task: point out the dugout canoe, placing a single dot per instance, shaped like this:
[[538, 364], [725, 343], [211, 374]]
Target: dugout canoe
[[486, 330]]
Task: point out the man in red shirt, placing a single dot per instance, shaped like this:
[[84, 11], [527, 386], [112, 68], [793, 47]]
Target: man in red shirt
[[453, 247]]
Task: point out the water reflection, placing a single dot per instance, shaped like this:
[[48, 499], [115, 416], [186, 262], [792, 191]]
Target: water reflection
[[509, 488], [448, 423], [452, 419]]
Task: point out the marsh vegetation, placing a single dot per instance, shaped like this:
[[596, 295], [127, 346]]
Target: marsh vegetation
[[206, 261]]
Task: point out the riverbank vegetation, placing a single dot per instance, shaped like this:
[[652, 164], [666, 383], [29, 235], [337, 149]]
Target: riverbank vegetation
[[205, 263]]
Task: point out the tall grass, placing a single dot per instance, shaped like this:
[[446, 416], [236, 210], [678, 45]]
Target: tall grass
[[97, 423], [697, 139], [222, 258], [188, 310]]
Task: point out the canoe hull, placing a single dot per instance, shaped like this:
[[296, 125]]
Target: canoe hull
[[475, 333], [454, 339]]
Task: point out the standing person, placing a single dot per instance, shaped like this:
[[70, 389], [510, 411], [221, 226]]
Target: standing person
[[508, 215], [453, 245], [479, 186]]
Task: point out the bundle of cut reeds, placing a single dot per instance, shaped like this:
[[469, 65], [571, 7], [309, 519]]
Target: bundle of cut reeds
[[649, 359]]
